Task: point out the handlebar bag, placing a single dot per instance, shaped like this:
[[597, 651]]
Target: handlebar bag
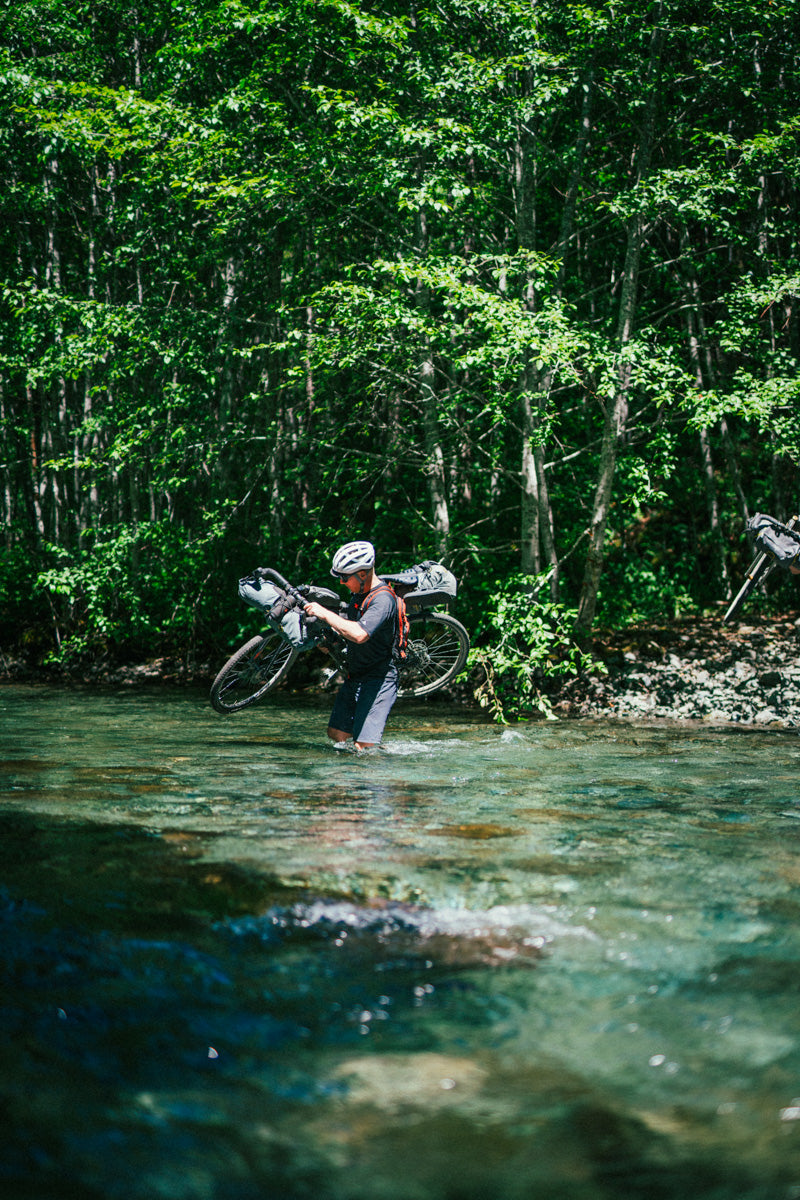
[[292, 626], [775, 539]]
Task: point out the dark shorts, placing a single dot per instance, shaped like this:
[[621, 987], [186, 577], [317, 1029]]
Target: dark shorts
[[362, 706]]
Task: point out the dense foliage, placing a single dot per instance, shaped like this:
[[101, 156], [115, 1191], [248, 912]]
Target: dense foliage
[[505, 283]]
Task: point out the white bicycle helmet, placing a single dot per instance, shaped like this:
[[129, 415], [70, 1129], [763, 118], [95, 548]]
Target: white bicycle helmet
[[352, 557]]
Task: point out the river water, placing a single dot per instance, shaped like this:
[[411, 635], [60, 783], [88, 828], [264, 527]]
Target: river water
[[560, 960]]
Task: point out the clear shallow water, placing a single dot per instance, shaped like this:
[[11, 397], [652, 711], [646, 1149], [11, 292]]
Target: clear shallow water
[[560, 960]]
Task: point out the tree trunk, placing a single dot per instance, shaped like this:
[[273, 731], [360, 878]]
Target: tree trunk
[[733, 468], [537, 534], [567, 227], [531, 558], [434, 455], [88, 496], [434, 460], [617, 408], [698, 350], [8, 493], [537, 543], [712, 504], [53, 430]]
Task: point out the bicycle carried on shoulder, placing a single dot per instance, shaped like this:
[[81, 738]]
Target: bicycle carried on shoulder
[[437, 649]]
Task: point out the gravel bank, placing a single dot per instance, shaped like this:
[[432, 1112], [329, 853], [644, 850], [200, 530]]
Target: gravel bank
[[694, 670]]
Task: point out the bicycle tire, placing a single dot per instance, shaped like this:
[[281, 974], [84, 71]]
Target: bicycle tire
[[254, 670], [438, 646]]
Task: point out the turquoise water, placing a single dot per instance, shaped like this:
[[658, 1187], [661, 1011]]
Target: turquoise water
[[558, 960]]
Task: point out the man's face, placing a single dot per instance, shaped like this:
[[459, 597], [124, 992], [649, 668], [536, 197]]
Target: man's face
[[355, 583]]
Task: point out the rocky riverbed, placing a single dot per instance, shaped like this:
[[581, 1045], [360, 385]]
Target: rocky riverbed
[[694, 670]]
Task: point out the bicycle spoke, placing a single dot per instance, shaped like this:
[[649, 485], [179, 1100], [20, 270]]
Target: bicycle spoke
[[251, 673], [437, 651]]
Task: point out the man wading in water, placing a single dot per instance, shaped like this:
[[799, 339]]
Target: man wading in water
[[365, 699]]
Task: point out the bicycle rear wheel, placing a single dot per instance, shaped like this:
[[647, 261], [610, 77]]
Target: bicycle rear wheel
[[438, 645], [255, 669]]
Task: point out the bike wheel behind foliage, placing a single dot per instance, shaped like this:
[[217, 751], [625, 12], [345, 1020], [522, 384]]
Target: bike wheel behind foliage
[[251, 672], [438, 645]]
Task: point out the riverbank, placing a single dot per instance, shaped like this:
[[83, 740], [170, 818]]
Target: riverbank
[[693, 669], [748, 673]]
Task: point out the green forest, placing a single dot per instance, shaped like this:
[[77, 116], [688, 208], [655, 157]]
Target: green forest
[[509, 284]]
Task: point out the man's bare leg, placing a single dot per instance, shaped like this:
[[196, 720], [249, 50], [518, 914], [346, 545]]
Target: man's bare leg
[[339, 735]]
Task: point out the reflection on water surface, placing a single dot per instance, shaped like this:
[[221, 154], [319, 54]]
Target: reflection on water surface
[[555, 960]]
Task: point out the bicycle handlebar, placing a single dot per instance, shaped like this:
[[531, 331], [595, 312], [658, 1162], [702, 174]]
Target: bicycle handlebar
[[276, 577], [296, 597]]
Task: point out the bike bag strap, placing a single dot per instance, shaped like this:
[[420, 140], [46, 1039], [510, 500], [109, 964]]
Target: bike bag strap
[[400, 643], [403, 581]]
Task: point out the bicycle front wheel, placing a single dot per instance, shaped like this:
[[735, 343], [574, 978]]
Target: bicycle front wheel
[[255, 669], [438, 645]]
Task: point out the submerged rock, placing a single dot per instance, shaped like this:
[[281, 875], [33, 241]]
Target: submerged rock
[[422, 1080]]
